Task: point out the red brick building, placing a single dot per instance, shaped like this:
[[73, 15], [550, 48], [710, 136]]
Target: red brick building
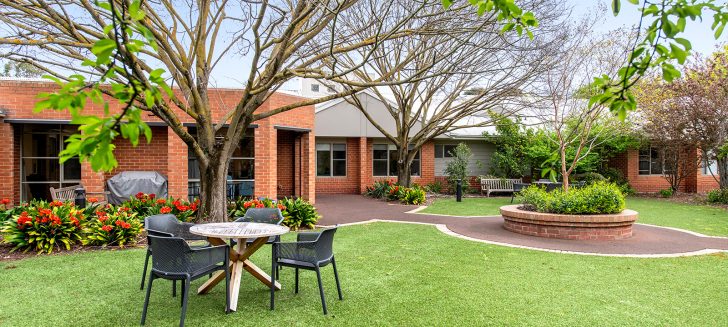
[[275, 159]]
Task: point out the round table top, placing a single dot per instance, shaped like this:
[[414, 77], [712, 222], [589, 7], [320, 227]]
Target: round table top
[[238, 230]]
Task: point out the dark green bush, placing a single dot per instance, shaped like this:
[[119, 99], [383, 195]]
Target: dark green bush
[[666, 193], [597, 198], [718, 196], [299, 213], [434, 187], [379, 190], [591, 178]]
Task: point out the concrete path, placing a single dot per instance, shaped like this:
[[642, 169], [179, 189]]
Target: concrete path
[[648, 240]]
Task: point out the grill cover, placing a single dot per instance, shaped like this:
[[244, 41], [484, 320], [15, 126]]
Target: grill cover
[[128, 183]]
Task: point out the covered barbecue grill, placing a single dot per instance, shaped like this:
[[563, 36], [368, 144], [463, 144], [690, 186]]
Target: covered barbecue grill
[[128, 183]]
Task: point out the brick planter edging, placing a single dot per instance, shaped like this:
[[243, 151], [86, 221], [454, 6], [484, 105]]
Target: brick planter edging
[[572, 227]]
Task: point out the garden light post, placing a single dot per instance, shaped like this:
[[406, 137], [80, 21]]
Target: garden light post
[[459, 191]]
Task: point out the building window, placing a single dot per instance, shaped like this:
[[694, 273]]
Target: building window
[[709, 167], [241, 172], [330, 159], [652, 162], [314, 87], [384, 161], [40, 168], [444, 150]]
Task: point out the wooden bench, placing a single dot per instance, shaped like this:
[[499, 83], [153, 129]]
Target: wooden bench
[[488, 185], [68, 193]]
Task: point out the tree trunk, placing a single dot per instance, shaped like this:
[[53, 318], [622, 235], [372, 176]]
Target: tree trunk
[[722, 172], [404, 173], [564, 171], [213, 191]]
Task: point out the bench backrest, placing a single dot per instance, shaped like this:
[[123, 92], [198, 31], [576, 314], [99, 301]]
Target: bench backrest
[[499, 183], [67, 193]]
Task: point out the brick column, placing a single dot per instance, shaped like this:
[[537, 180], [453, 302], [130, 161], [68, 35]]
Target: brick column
[[308, 167], [92, 181], [365, 166], [266, 161], [427, 163], [176, 165], [8, 177]]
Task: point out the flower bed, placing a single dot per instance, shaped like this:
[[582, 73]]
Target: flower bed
[[393, 192], [297, 212], [43, 226]]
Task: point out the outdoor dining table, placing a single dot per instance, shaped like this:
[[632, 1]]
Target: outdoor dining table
[[217, 233]]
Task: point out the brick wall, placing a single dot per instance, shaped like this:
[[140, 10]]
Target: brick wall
[[286, 170], [166, 154], [629, 164]]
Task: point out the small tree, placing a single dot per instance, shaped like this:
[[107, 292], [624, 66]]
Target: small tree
[[511, 140], [457, 168]]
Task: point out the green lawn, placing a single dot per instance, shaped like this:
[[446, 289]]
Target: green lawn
[[699, 218], [392, 275]]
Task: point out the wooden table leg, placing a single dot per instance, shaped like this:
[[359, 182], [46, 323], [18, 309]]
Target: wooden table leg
[[260, 274], [237, 274]]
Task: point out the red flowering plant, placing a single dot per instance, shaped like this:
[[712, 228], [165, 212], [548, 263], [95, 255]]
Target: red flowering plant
[[145, 205], [239, 207], [184, 210], [116, 226], [44, 226], [7, 211]]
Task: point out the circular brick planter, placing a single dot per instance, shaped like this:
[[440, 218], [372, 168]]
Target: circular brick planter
[[572, 227]]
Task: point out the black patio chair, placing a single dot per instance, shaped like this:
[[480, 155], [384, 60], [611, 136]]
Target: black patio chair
[[517, 187], [166, 225], [174, 260], [552, 186], [311, 252], [265, 216]]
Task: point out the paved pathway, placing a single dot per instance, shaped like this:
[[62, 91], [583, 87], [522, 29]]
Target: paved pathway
[[647, 241]]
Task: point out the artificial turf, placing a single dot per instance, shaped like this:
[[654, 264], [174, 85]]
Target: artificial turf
[[392, 275]]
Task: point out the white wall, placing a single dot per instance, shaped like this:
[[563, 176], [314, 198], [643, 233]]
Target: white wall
[[345, 120]]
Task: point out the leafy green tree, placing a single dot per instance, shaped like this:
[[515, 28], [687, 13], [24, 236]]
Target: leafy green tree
[[511, 140], [457, 168], [20, 69]]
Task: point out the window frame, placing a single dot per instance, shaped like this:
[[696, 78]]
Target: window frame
[[650, 159], [331, 159], [388, 160], [704, 164], [315, 87], [441, 153], [63, 132]]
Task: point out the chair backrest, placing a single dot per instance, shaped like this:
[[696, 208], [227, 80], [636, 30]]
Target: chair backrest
[[262, 215], [325, 244], [170, 254], [517, 187], [67, 193], [167, 224]]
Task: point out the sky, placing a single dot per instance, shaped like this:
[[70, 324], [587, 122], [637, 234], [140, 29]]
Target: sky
[[232, 71]]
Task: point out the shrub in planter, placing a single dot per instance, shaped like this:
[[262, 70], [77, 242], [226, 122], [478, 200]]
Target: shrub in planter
[[434, 187], [44, 226], [299, 213], [666, 193], [598, 198], [119, 226], [718, 196], [413, 195]]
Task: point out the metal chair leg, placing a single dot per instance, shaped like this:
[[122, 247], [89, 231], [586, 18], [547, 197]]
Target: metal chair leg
[[146, 299], [273, 274], [336, 276], [185, 296], [184, 291], [146, 264], [174, 288], [321, 290], [296, 281]]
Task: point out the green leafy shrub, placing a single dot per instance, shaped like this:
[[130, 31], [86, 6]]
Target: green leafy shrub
[[457, 168], [117, 226], [666, 193], [299, 213], [44, 226], [718, 196], [395, 193], [242, 205], [434, 187], [597, 198], [379, 190], [591, 178], [7, 212], [413, 195]]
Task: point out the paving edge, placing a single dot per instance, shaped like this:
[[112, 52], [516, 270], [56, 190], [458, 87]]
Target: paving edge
[[443, 228]]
